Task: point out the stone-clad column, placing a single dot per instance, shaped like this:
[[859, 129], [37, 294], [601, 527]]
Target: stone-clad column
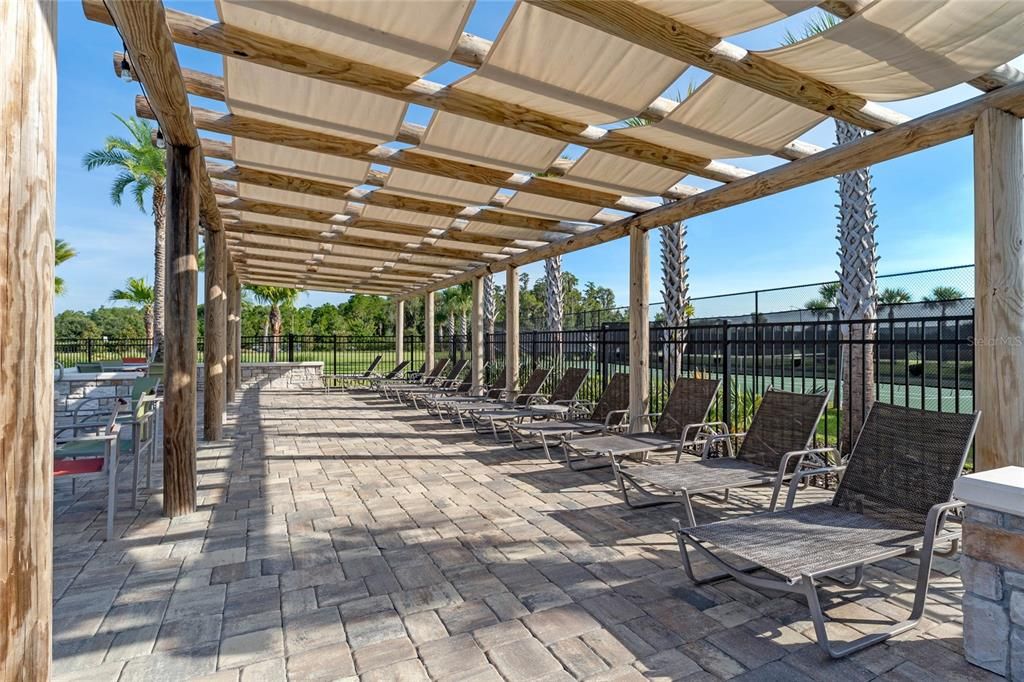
[[992, 568]]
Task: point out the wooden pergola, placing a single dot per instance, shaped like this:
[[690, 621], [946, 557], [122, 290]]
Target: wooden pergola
[[316, 99]]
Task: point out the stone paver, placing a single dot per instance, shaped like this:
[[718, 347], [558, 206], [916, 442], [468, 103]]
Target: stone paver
[[340, 536]]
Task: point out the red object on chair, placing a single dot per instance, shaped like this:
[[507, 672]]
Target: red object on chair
[[133, 361], [70, 467]]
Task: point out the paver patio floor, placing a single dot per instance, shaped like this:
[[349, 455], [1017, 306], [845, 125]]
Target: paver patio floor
[[341, 536]]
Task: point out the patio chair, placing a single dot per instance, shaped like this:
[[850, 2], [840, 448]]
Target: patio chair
[[91, 408], [435, 403], [94, 454], [461, 409], [610, 411], [450, 380], [89, 368], [112, 365], [395, 373], [562, 396], [893, 499], [772, 450], [345, 377], [384, 386], [681, 426]]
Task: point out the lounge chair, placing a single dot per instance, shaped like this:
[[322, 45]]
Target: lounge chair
[[893, 499], [384, 387], [395, 374], [681, 427], [772, 449], [458, 409], [435, 402], [450, 380], [346, 377], [610, 411], [562, 398]]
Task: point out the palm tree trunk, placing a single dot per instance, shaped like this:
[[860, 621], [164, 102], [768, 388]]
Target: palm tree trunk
[[858, 294], [147, 316], [554, 301], [463, 330], [274, 323], [675, 292], [159, 262]]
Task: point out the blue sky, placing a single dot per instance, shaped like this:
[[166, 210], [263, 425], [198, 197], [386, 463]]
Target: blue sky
[[925, 201]]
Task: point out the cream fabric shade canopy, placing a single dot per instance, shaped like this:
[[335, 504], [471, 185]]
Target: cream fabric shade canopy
[[416, 217]]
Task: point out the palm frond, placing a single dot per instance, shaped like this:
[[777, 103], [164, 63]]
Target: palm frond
[[62, 252], [142, 184], [819, 23], [121, 182], [103, 158]]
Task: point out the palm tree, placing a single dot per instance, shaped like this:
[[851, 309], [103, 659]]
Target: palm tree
[[139, 294], [891, 297], [858, 256], [142, 169], [62, 252], [455, 305], [941, 297], [276, 298], [826, 301], [554, 295]]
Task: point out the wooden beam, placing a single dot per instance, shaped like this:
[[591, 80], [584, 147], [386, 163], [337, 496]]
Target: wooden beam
[[266, 280], [233, 329], [512, 329], [476, 354], [28, 149], [639, 324], [334, 262], [428, 328], [327, 271], [231, 41], [143, 27], [927, 131], [410, 159], [215, 342], [999, 289], [287, 253], [183, 163], [692, 46], [399, 331]]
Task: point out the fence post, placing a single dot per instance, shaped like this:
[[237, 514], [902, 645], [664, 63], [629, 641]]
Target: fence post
[[88, 350], [533, 349], [334, 354], [726, 379], [291, 347]]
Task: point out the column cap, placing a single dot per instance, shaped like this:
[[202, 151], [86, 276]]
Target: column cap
[[998, 489]]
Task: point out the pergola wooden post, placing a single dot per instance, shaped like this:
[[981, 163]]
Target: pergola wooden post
[[231, 329], [512, 329], [215, 342], [180, 337], [399, 331], [476, 356], [999, 289], [428, 329], [236, 340], [639, 326], [28, 114]]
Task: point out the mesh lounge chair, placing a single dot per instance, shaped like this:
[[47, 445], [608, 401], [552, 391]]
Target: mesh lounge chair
[[436, 403], [346, 377], [387, 386], [892, 501], [393, 375], [564, 394], [681, 426], [609, 412], [450, 380], [462, 409], [773, 448]]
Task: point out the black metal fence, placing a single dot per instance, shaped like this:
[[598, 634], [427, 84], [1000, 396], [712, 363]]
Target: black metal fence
[[925, 362], [73, 352]]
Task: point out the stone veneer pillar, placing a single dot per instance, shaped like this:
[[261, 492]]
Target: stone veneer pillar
[[992, 568]]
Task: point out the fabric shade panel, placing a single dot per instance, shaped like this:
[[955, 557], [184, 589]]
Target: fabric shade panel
[[288, 198], [468, 139], [549, 207], [275, 158], [623, 176], [721, 19], [894, 49], [412, 183], [395, 215]]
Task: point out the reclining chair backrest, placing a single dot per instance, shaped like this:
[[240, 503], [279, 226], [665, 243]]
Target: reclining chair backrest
[[569, 385], [688, 403], [533, 383], [904, 462], [498, 387], [439, 367], [784, 422], [397, 370], [614, 397], [373, 366], [456, 370]]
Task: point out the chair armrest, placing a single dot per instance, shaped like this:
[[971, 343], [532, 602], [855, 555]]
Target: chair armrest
[[646, 415], [794, 483], [619, 415], [532, 398]]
